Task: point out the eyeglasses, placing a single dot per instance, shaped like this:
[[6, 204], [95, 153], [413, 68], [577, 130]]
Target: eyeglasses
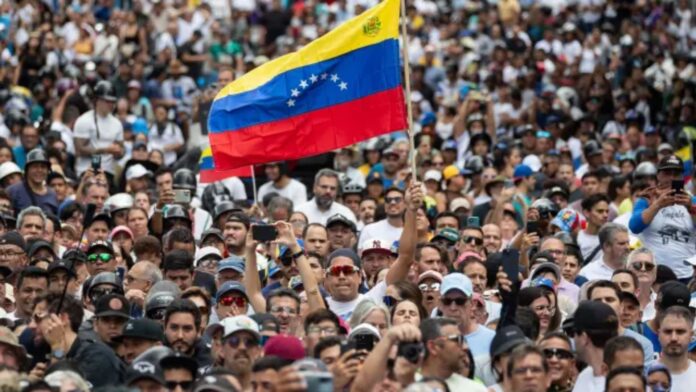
[[326, 331], [459, 339], [545, 308], [100, 258], [475, 240], [429, 287], [185, 385], [235, 341], [208, 263], [393, 200], [229, 300], [287, 309], [460, 301], [11, 254], [389, 301], [521, 371], [639, 266], [558, 353], [346, 270]]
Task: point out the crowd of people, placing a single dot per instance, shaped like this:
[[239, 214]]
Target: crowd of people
[[546, 241]]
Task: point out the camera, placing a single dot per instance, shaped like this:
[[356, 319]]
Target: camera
[[411, 351]]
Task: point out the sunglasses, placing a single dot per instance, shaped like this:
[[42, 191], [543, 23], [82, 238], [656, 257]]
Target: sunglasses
[[156, 314], [346, 270], [95, 294], [185, 385], [475, 240], [394, 200], [460, 301], [100, 258], [235, 341], [287, 309], [459, 339], [639, 266], [286, 261], [229, 300], [558, 353], [429, 287]]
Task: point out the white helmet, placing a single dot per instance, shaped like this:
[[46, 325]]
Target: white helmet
[[8, 168]]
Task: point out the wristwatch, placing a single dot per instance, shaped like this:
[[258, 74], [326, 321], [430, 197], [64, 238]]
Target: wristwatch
[[298, 254], [58, 354]]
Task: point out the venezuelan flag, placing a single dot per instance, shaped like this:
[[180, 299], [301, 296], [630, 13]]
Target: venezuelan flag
[[338, 90], [210, 174]]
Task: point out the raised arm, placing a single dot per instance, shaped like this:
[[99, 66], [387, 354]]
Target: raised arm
[[251, 280], [409, 236]]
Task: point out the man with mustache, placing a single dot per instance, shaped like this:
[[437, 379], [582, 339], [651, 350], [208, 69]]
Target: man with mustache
[[324, 205], [182, 321], [676, 327], [241, 346]]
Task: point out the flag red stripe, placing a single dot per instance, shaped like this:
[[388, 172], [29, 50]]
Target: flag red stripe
[[212, 175], [311, 133]]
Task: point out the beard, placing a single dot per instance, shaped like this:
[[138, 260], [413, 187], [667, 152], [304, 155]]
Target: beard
[[323, 202]]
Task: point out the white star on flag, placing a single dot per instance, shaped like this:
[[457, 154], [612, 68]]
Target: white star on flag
[[313, 78], [294, 92], [291, 103], [343, 85], [324, 76], [304, 84], [334, 78]]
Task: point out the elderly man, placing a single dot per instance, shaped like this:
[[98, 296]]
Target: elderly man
[[642, 262], [613, 239], [324, 205]]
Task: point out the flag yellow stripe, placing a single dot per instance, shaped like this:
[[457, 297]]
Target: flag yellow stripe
[[347, 37]]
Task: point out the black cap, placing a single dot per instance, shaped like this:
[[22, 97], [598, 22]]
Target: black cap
[[506, 339], [75, 255], [340, 218], [178, 361], [595, 316], [62, 264], [673, 293], [212, 383], [104, 217], [557, 190], [671, 162], [112, 305], [38, 245], [100, 244], [664, 274], [142, 329], [627, 296], [12, 238], [214, 232], [144, 370]]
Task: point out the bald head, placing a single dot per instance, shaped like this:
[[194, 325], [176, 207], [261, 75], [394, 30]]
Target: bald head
[[142, 276]]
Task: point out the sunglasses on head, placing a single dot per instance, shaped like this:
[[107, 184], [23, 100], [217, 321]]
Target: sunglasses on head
[[346, 270], [475, 240], [435, 286], [230, 300], [638, 266], [460, 301], [99, 258], [235, 341], [558, 353]]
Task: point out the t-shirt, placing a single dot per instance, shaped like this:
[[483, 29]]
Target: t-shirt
[[587, 244], [294, 190], [170, 135], [19, 194], [314, 215], [109, 131], [380, 230], [480, 341], [685, 381], [597, 269], [457, 382], [588, 382], [345, 309]]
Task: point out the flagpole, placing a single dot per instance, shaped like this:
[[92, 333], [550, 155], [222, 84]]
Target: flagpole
[[253, 183], [407, 83]]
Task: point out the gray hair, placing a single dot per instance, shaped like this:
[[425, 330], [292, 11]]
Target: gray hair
[[608, 232], [364, 309], [280, 202], [29, 211], [640, 251], [151, 271], [326, 173]]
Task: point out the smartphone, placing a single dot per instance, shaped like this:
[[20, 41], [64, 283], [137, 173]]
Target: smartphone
[[182, 196], [511, 264], [473, 221], [264, 233], [364, 342], [318, 381], [678, 186], [532, 227], [347, 345], [96, 162]]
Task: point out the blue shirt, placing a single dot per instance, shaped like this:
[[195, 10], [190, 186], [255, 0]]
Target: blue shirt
[[21, 199], [20, 156], [480, 341]]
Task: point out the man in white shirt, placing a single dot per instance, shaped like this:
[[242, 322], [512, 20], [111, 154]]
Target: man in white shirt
[[98, 133], [324, 205], [615, 245], [594, 323], [280, 183], [389, 228], [676, 327], [595, 208]]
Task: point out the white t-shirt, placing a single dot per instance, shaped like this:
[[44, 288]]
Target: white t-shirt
[[314, 215], [684, 382], [597, 269], [671, 237], [170, 135], [381, 230], [588, 382], [294, 190], [587, 244], [110, 131], [345, 309]]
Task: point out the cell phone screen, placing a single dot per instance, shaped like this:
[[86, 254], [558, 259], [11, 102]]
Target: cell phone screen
[[511, 264], [678, 186], [264, 233]]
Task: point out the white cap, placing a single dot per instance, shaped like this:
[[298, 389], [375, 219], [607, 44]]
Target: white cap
[[207, 251], [433, 174], [364, 329], [230, 325], [136, 171], [532, 161], [375, 245], [458, 203]]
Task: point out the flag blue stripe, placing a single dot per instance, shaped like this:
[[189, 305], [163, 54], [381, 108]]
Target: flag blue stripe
[[206, 163]]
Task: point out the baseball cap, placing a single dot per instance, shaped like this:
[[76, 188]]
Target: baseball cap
[[233, 263], [627, 296], [449, 145], [179, 360], [546, 267], [522, 171], [456, 281], [65, 265], [212, 383], [673, 293], [364, 329], [465, 255], [38, 245], [206, 252], [13, 238], [340, 219], [229, 287], [432, 175], [430, 274], [665, 147], [671, 162], [100, 244], [144, 370], [567, 220], [344, 252], [112, 305], [557, 190], [458, 203], [121, 229], [136, 171], [373, 176], [240, 323], [450, 171], [214, 232], [285, 347], [143, 328], [448, 234], [375, 245], [506, 339], [594, 316]]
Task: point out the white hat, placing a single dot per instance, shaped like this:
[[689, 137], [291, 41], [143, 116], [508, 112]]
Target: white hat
[[433, 174], [532, 161], [458, 203], [136, 171], [364, 329], [375, 245], [230, 325], [207, 251]]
